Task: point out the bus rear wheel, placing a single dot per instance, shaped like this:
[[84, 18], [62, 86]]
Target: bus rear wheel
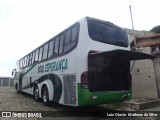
[[45, 96]]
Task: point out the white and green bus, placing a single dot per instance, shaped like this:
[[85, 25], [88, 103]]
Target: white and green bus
[[86, 64]]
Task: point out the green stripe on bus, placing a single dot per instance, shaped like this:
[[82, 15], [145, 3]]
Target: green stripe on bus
[[86, 98]]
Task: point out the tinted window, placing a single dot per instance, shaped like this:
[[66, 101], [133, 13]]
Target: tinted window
[[74, 34], [50, 52], [33, 57], [56, 46], [69, 46], [61, 44], [30, 59], [25, 61], [36, 57], [71, 37], [40, 54], [19, 64], [22, 62], [45, 51], [107, 33], [68, 37]]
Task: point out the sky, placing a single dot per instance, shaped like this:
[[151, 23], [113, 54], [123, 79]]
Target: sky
[[26, 24]]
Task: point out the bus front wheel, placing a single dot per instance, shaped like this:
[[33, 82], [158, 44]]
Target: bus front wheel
[[45, 96]]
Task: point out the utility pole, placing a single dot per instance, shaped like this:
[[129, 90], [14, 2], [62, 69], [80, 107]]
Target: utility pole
[[134, 34]]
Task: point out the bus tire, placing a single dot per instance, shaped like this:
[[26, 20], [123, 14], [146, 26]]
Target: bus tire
[[36, 94], [45, 96]]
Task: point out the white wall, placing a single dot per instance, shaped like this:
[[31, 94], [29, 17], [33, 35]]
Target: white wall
[[143, 78]]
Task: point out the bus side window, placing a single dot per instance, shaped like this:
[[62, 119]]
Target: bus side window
[[67, 40], [56, 47], [25, 61], [74, 34], [71, 37], [36, 56], [21, 62], [30, 59], [33, 57], [50, 52], [40, 53], [61, 44], [45, 51]]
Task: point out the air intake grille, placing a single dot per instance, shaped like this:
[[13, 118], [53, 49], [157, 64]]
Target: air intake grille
[[69, 89]]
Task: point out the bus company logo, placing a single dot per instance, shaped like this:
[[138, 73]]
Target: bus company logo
[[6, 114], [59, 65]]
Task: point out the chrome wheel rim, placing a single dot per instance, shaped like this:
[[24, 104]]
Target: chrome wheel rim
[[45, 96], [45, 99]]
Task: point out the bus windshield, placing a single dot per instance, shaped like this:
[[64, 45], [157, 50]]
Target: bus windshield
[[107, 33]]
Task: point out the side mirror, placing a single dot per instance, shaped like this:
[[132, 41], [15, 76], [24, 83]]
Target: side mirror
[[13, 72]]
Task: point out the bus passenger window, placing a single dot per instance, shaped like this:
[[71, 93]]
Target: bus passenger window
[[61, 44], [45, 51], [56, 46], [67, 40], [68, 37], [33, 57], [22, 63], [50, 52], [25, 61], [36, 56], [40, 54], [30, 59], [74, 34]]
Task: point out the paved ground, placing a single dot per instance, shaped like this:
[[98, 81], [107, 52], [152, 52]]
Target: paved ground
[[12, 101], [153, 109]]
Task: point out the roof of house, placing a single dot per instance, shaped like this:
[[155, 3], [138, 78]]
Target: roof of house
[[148, 43], [152, 36]]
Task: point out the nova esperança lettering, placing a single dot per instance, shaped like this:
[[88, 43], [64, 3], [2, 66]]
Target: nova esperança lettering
[[59, 65]]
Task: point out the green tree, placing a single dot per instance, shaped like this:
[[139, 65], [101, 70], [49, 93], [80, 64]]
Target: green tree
[[156, 29]]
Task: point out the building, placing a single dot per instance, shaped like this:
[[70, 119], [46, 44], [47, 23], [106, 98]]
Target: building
[[6, 81], [146, 73], [138, 33]]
